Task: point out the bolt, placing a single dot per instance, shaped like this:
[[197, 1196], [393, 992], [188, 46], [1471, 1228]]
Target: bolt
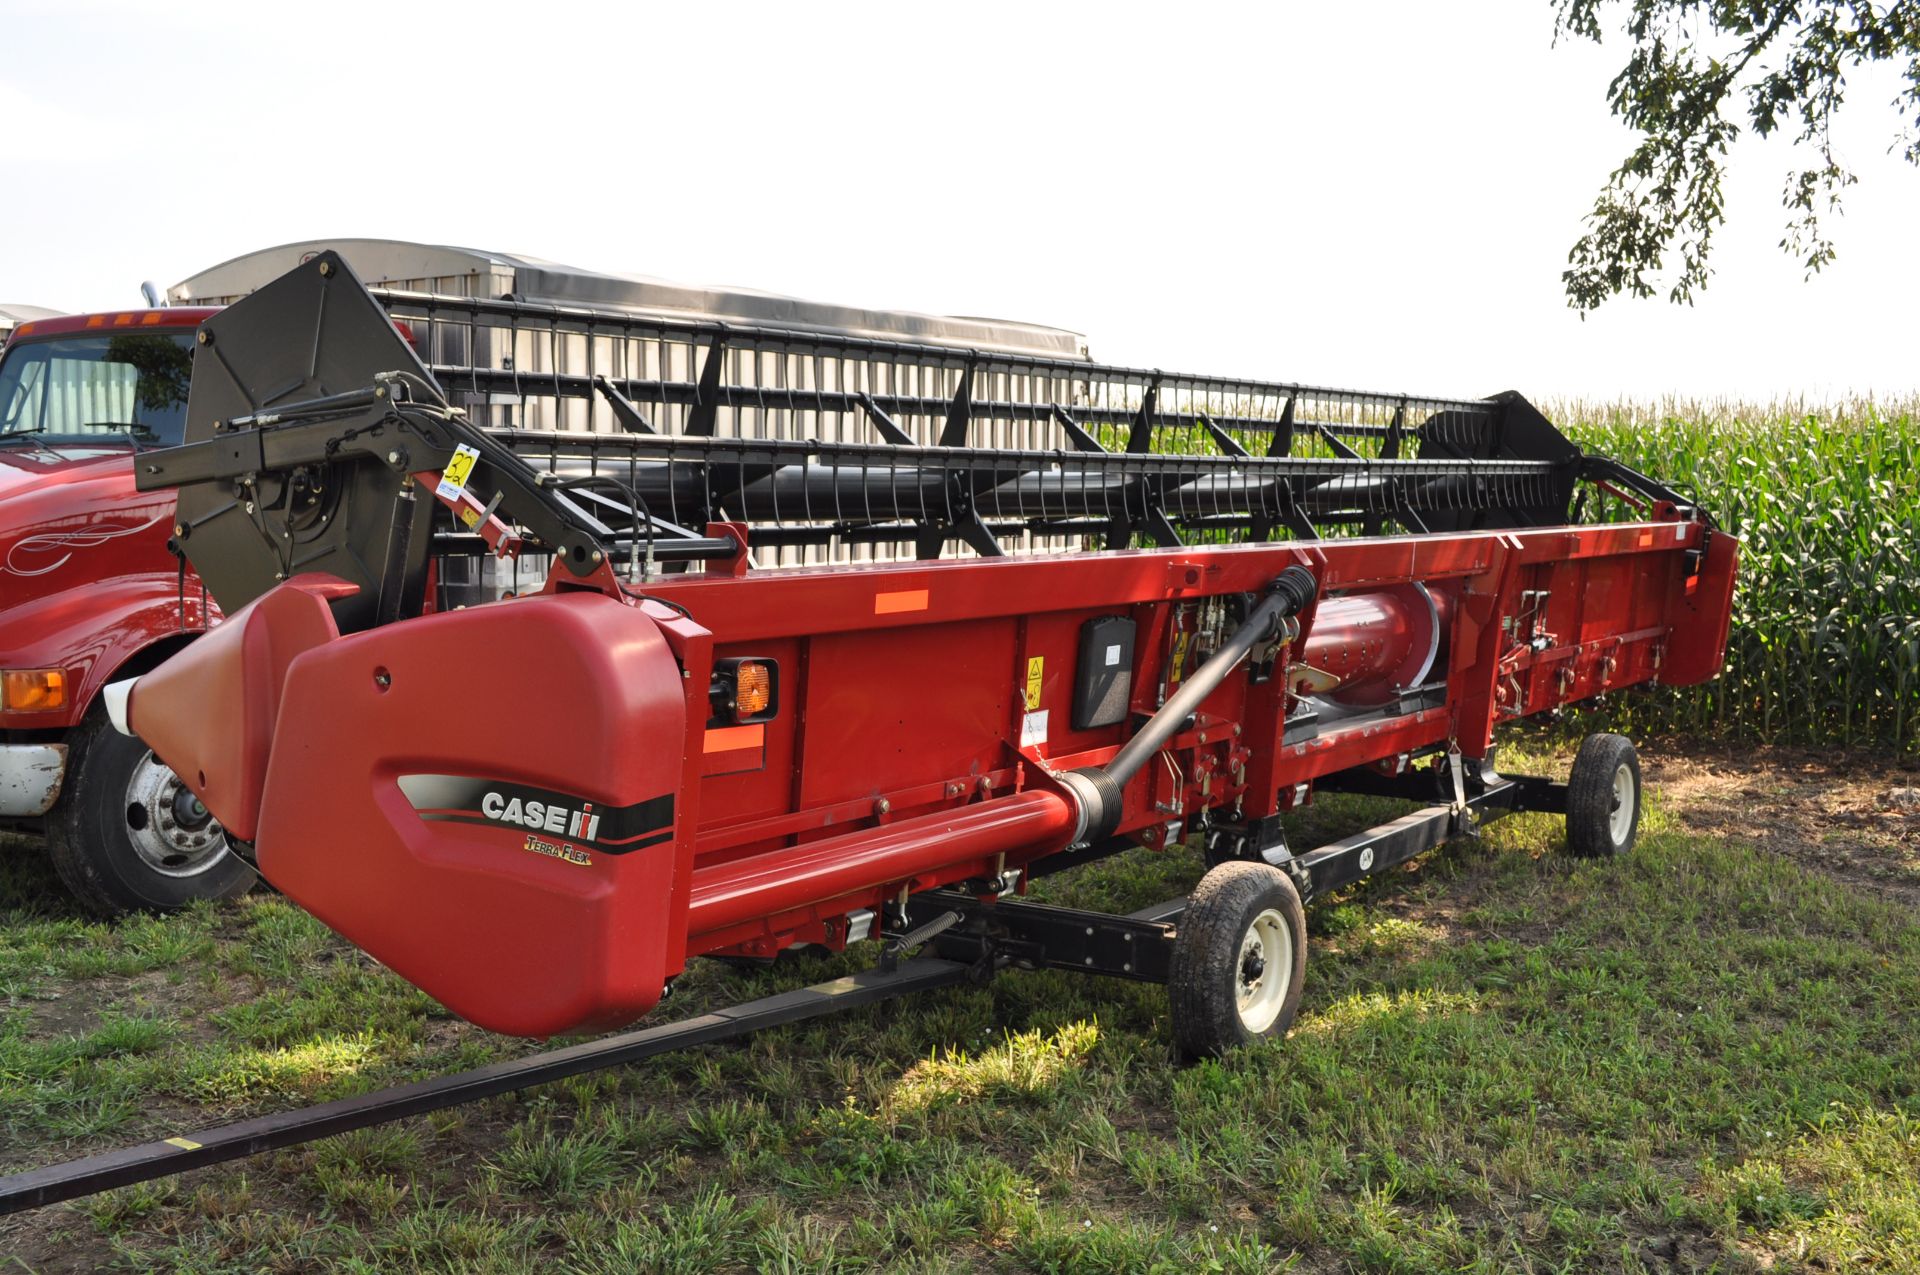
[[393, 458], [882, 806], [326, 269], [1089, 931], [204, 337]]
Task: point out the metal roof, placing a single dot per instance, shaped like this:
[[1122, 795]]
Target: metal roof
[[473, 272]]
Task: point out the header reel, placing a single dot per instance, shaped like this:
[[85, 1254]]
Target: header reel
[[337, 452]]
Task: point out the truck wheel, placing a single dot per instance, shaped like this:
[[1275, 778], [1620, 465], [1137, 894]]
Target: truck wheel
[[127, 835], [1239, 960], [1603, 797]]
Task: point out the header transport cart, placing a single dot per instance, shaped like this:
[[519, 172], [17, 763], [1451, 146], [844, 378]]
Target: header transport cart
[[528, 716]]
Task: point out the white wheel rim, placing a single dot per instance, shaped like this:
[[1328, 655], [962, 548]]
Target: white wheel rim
[[1620, 820], [1263, 974], [167, 826]]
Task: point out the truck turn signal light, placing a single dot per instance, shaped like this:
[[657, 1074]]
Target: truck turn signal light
[[33, 690]]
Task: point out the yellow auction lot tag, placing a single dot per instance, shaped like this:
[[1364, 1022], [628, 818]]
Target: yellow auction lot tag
[[453, 479]]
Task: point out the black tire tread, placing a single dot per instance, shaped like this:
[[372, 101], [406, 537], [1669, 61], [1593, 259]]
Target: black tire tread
[[73, 846], [1205, 1018], [1590, 796]]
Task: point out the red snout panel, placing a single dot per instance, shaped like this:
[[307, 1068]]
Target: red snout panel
[[209, 711], [485, 801]]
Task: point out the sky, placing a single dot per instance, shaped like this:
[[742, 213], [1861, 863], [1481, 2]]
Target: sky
[[1378, 196]]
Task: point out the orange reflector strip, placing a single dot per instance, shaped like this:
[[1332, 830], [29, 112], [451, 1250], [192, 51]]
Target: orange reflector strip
[[122, 320], [95, 321], [903, 600], [150, 317], [1646, 538], [733, 738]]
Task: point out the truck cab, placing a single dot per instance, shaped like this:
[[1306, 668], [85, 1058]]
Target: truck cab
[[90, 592]]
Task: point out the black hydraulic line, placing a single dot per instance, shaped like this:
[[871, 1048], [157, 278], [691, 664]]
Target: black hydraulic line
[[55, 1182]]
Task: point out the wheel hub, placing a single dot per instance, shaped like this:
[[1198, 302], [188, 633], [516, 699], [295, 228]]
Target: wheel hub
[[168, 826]]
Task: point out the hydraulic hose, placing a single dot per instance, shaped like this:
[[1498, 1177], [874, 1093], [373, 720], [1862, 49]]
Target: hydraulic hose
[[1098, 788]]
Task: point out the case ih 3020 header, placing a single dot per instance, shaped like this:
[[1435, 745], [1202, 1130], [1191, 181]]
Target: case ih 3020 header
[[539, 808]]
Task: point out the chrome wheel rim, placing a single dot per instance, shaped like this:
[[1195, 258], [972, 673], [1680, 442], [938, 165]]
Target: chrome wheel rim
[[1264, 972], [1620, 814], [168, 827]]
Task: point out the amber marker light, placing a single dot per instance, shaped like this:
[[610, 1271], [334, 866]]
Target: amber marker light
[[33, 690], [744, 691]]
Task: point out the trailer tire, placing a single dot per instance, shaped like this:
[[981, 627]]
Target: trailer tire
[[1603, 797], [125, 837], [1238, 960]]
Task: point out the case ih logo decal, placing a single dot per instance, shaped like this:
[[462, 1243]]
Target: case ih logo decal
[[611, 829]]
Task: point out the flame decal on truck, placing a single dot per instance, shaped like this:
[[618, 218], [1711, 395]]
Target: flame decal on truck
[[495, 802]]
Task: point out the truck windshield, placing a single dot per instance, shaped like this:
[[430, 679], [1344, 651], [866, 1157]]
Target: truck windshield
[[97, 388]]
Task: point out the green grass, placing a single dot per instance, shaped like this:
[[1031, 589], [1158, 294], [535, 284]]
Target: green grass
[[1702, 1056]]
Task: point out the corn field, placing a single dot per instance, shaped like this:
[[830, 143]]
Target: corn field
[[1825, 647]]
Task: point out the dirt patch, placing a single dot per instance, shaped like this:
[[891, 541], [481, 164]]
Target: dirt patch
[[1852, 817], [77, 1006]]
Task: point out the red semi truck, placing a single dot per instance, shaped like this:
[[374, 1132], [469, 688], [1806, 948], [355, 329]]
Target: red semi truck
[[89, 592]]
